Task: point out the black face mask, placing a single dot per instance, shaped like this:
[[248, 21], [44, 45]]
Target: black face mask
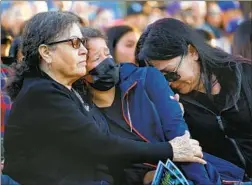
[[105, 75]]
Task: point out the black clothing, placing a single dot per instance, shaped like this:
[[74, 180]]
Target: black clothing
[[223, 132], [51, 139], [118, 126], [116, 122]]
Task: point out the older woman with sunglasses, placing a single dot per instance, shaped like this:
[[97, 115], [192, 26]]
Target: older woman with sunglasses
[[51, 136], [214, 86]]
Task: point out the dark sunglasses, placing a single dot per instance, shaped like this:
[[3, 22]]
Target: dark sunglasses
[[173, 76], [170, 76], [76, 42]]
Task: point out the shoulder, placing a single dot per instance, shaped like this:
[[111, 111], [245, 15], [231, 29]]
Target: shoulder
[[129, 69], [154, 76], [42, 88], [145, 76], [154, 72], [154, 79]]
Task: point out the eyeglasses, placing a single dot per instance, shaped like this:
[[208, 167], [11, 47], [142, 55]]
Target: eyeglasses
[[169, 76], [173, 76], [76, 42]]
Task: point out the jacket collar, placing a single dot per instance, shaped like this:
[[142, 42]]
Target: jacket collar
[[127, 79]]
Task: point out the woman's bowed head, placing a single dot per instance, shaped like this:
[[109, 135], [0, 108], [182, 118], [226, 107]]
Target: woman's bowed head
[[214, 86]]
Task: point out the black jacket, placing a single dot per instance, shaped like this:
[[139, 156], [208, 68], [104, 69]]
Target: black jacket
[[227, 133], [51, 139]]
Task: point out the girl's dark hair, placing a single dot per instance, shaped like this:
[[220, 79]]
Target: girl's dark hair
[[168, 38], [40, 29], [242, 41], [114, 34]]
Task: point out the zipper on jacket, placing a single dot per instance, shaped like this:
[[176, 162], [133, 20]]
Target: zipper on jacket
[[220, 123], [219, 120], [128, 112], [129, 122]]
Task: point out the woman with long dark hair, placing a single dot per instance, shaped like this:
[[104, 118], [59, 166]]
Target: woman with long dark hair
[[215, 88]]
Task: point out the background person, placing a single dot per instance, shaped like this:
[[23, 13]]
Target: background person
[[122, 43]]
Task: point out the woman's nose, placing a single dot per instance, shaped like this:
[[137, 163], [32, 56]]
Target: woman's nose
[[83, 50]]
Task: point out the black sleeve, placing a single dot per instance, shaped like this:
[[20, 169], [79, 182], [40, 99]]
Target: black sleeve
[[62, 118]]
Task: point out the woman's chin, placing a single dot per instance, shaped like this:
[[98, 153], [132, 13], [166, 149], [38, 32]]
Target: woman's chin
[[184, 90]]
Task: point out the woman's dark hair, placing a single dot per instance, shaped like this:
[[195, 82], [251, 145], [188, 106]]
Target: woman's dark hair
[[80, 20], [114, 34], [205, 35], [40, 29], [168, 38], [242, 41], [15, 47], [89, 32]]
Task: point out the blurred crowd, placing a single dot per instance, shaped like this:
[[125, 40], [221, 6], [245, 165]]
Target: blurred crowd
[[216, 20]]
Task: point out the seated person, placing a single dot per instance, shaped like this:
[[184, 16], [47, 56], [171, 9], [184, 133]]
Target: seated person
[[51, 137], [138, 107], [214, 86]]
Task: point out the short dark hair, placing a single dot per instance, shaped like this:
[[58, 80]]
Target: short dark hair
[[40, 29], [89, 32]]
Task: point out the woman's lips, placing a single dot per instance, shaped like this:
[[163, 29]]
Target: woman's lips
[[83, 62]]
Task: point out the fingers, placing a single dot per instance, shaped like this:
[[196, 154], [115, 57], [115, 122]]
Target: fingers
[[149, 177], [176, 96], [198, 160], [198, 154], [182, 108], [172, 97], [197, 151], [194, 142]]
